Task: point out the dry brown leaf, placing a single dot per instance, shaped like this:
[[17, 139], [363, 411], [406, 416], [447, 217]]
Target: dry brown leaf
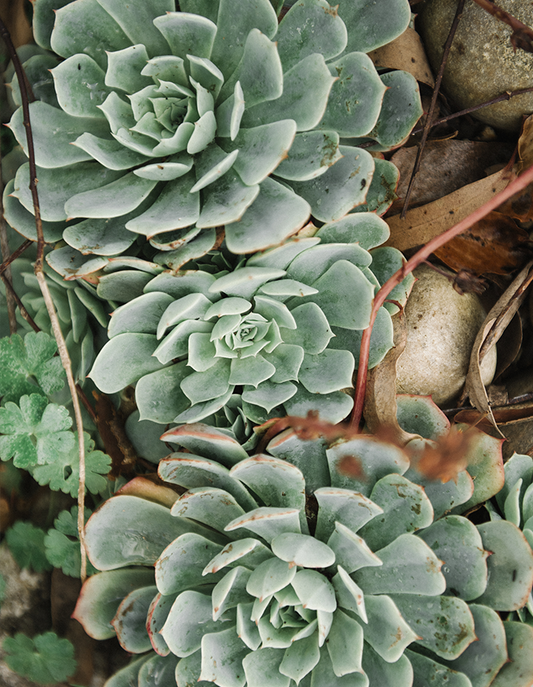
[[424, 223], [495, 245], [407, 53], [380, 408], [520, 206], [492, 329]]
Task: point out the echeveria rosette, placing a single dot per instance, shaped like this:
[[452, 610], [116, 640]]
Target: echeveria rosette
[[282, 330], [170, 124], [263, 580]]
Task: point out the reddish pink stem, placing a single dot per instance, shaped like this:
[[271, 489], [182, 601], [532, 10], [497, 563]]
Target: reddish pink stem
[[515, 186]]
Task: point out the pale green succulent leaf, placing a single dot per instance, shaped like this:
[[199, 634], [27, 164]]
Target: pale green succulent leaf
[[312, 332], [130, 620], [456, 541], [517, 467], [385, 262], [195, 471], [212, 164], [445, 624], [189, 619], [202, 352], [155, 619], [349, 508], [443, 497], [275, 637], [108, 152], [306, 89], [323, 674], [245, 281], [367, 229], [57, 186], [300, 658], [212, 507], [269, 394], [382, 190], [302, 550], [372, 26], [252, 550], [80, 86], [187, 34], [307, 28], [119, 115], [261, 149], [332, 407], [519, 638], [409, 567], [406, 508], [374, 458], [269, 577], [222, 656], [138, 22], [419, 415], [113, 200], [345, 644], [482, 659], [228, 306], [99, 237], [177, 166], [226, 201], [268, 523], [18, 216], [287, 359], [400, 111], [141, 315], [159, 396], [511, 506], [101, 597], [351, 551], [355, 100], [202, 410], [250, 370], [281, 256], [259, 72], [179, 566], [208, 385], [160, 670], [130, 674], [230, 591], [229, 114], [314, 591], [124, 69], [261, 668], [428, 671], [274, 215], [181, 284], [310, 265], [66, 38], [203, 134], [386, 631], [326, 372], [380, 672], [277, 483], [343, 186], [510, 567], [124, 360], [348, 594], [310, 155], [381, 339], [207, 441], [233, 29], [53, 133], [192, 306]]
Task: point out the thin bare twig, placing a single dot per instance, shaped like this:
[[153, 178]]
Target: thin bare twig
[[515, 186], [39, 273], [429, 117], [25, 314], [14, 255], [522, 36]]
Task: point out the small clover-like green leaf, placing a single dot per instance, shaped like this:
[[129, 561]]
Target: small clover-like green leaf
[[62, 545], [26, 543], [28, 366], [35, 432], [62, 473], [45, 659]]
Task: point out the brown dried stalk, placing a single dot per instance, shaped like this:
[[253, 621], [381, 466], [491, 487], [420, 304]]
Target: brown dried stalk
[[39, 273]]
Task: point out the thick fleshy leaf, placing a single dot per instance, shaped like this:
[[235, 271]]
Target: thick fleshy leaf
[[313, 264], [130, 620], [123, 361], [345, 506], [372, 26], [375, 459], [212, 507], [139, 315], [115, 199], [312, 332], [400, 111], [367, 229], [101, 595], [269, 394], [80, 86], [323, 674], [268, 523], [456, 541], [269, 577], [518, 672], [159, 396], [327, 371], [444, 497], [406, 508], [445, 624], [124, 69], [18, 216], [348, 594], [310, 155], [332, 407], [189, 619], [306, 89], [343, 186], [251, 551], [341, 278], [482, 659], [386, 629], [307, 456], [309, 28], [230, 591], [382, 190], [300, 658], [181, 563], [128, 530], [351, 551], [380, 672], [510, 567], [314, 591], [99, 237], [222, 656], [428, 671], [302, 550], [208, 385], [274, 215], [155, 619], [409, 567], [355, 100], [158, 671], [250, 370], [226, 200], [175, 208], [262, 668], [187, 34]]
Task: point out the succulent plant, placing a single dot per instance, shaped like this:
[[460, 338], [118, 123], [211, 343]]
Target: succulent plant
[[166, 124], [285, 568], [281, 329]]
